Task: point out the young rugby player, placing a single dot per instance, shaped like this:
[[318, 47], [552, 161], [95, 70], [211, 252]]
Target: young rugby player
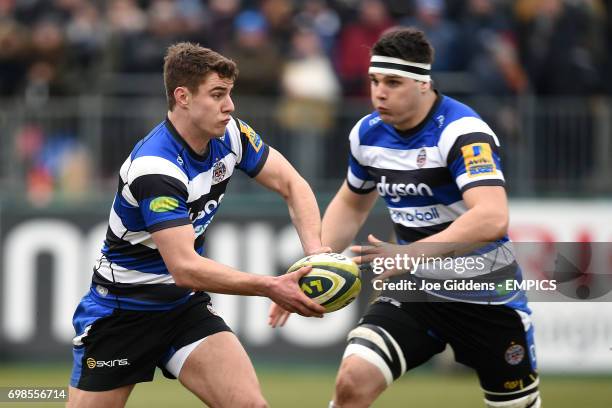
[[147, 307], [436, 164]]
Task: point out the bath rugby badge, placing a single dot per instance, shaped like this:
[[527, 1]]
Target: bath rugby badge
[[219, 171]]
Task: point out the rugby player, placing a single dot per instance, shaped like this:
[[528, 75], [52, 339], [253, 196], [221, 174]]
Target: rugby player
[[436, 164], [147, 305]]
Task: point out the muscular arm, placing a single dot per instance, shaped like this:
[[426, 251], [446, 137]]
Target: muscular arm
[[485, 220], [279, 175], [344, 217], [190, 270]]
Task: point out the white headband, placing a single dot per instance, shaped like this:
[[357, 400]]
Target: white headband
[[396, 66]]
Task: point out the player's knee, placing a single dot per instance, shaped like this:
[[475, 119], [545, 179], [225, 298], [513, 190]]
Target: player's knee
[[376, 346], [348, 386], [531, 400]]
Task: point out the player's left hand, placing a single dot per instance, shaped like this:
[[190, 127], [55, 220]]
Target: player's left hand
[[379, 249], [277, 316]]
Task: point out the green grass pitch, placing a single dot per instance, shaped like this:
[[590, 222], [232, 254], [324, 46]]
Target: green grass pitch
[[311, 387]]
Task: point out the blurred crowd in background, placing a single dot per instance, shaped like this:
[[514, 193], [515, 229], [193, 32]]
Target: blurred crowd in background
[[308, 54], [515, 46]]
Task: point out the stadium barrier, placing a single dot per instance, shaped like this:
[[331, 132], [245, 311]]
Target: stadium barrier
[[554, 146]]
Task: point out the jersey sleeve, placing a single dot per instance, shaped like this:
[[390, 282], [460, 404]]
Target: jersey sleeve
[[358, 178], [253, 152], [159, 189], [471, 151]]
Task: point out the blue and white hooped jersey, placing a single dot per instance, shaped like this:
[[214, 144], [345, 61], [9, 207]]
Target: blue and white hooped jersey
[[162, 184], [421, 174]]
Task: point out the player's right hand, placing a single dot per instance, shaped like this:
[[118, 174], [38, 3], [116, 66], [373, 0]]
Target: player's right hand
[[285, 291]]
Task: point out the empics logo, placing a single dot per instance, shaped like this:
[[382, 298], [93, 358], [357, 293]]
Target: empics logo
[[93, 363], [398, 190]]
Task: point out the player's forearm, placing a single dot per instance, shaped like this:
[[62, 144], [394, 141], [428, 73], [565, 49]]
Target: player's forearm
[[340, 225], [478, 224], [207, 275], [304, 213]]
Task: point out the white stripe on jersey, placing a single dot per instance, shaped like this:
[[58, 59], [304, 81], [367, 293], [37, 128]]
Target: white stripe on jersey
[[199, 186], [355, 142], [145, 165], [404, 159], [137, 237], [460, 127], [126, 192], [124, 169], [234, 135], [428, 215], [464, 178], [122, 275], [356, 182]]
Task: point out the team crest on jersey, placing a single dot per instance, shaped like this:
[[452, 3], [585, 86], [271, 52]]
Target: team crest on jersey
[[478, 159], [251, 135], [440, 120], [515, 354], [421, 158], [219, 171]]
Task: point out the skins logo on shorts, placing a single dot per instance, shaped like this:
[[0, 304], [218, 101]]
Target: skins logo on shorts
[[515, 354], [92, 363], [478, 159], [253, 137], [163, 204]]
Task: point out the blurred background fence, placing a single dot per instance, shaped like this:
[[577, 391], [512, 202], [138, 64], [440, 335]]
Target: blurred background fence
[[72, 147]]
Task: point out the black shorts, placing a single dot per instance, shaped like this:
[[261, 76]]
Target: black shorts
[[494, 340], [116, 347]]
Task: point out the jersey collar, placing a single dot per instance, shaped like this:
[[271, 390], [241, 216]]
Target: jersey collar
[[175, 134], [420, 126]]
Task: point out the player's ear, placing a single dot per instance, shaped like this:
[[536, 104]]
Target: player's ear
[[182, 96], [424, 86]]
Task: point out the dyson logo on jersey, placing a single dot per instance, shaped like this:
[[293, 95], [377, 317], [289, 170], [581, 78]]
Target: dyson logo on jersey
[[398, 190], [414, 215]]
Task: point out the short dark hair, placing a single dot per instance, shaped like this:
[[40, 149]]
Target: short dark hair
[[187, 64], [406, 43]]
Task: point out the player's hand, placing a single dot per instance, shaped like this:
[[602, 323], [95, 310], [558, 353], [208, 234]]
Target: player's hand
[[277, 316], [379, 249], [285, 291]]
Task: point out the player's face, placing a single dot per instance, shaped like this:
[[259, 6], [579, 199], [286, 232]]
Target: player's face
[[211, 106], [397, 99]]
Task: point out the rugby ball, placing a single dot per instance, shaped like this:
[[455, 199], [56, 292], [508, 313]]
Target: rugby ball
[[333, 282]]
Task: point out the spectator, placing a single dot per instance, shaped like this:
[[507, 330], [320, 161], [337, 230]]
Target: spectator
[[307, 111], [560, 46], [353, 49], [491, 49], [443, 34], [323, 20], [259, 60]]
